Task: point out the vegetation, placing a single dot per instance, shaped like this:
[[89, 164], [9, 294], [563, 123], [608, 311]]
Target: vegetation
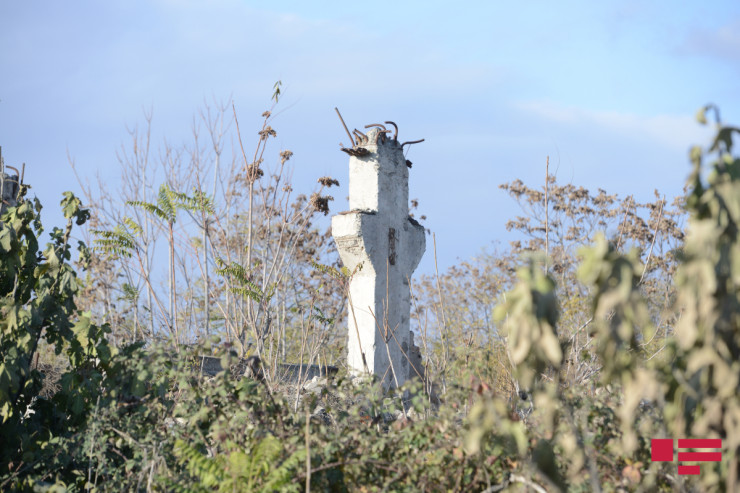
[[549, 366]]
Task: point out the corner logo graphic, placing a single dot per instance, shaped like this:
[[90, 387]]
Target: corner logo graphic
[[662, 451]]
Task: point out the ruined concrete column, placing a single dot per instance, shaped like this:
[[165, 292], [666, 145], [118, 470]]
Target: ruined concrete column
[[9, 186], [378, 232]]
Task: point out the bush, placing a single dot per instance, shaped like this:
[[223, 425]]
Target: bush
[[37, 309], [143, 417]]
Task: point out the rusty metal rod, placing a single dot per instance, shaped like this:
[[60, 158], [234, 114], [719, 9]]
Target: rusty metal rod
[[345, 126], [376, 125], [412, 142], [395, 135]]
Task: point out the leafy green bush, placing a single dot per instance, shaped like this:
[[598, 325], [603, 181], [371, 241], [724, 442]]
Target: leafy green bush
[[695, 395], [144, 417], [37, 307]]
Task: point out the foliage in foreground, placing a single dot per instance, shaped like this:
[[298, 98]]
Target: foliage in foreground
[[141, 419]]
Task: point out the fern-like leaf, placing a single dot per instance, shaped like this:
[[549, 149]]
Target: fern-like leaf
[[280, 477], [150, 208], [118, 242], [167, 202], [209, 471], [246, 292], [132, 225], [327, 269]]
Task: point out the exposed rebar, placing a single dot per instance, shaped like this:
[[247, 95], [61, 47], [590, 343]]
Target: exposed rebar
[[345, 126], [412, 142], [395, 135], [376, 125]]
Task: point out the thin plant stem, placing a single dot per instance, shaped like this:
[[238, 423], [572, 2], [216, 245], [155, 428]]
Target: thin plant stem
[[445, 331], [547, 210], [308, 452], [652, 244]]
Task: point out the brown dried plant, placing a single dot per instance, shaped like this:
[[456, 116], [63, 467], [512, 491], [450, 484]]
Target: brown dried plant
[[272, 236]]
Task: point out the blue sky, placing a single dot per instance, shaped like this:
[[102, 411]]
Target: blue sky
[[607, 89]]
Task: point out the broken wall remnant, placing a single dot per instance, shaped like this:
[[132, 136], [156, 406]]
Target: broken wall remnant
[[9, 186], [378, 235]]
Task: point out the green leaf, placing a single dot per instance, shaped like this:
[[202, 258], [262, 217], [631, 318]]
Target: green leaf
[[6, 239], [701, 116]]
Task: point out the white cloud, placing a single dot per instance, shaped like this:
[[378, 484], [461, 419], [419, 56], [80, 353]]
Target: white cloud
[[722, 43], [673, 132]]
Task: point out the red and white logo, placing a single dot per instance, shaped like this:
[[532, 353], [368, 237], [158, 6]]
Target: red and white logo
[[662, 451]]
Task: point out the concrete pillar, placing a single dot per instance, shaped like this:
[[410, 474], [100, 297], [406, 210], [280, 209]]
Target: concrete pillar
[[9, 186], [378, 232], [8, 191]]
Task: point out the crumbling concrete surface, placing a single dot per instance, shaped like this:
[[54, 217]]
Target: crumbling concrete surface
[[382, 245], [9, 187]]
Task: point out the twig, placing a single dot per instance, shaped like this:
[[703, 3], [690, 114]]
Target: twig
[[124, 435], [386, 327], [151, 470], [655, 236], [357, 332], [580, 329], [657, 329], [423, 334], [408, 358], [92, 441], [378, 464], [656, 353], [308, 452], [624, 220], [496, 487], [461, 477], [445, 337], [547, 221], [514, 478], [384, 332]]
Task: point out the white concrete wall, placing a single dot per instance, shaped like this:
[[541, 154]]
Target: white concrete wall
[[379, 293]]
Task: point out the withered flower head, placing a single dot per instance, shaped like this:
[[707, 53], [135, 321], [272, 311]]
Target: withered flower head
[[328, 181], [254, 172], [267, 132], [320, 204], [285, 155]]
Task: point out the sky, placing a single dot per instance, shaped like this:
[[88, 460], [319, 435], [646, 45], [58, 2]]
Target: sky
[[608, 90]]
